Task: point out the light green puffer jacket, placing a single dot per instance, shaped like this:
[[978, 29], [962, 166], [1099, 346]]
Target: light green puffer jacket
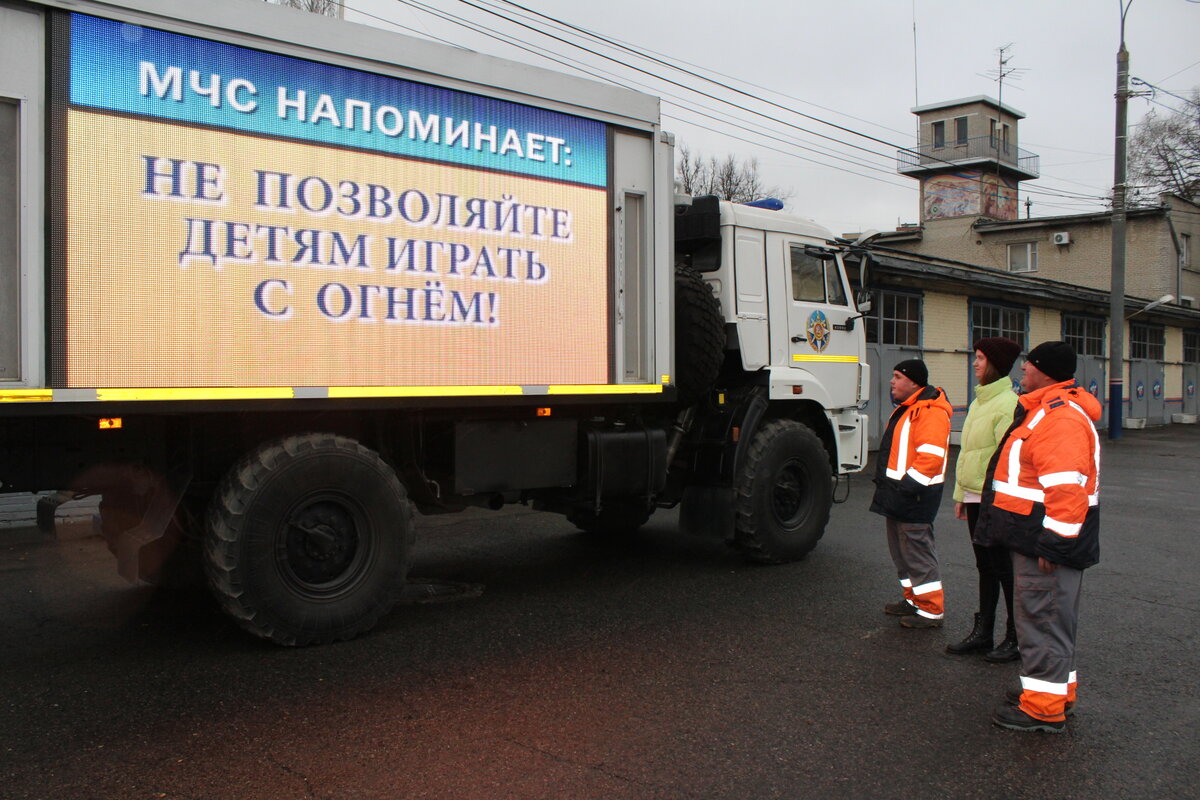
[[987, 419]]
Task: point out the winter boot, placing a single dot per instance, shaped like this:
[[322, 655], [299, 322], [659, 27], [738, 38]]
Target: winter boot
[[1006, 650], [900, 608], [979, 639], [1011, 717], [1013, 696]]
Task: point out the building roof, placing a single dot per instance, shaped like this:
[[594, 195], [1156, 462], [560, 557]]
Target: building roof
[[966, 101], [1013, 286], [986, 224]]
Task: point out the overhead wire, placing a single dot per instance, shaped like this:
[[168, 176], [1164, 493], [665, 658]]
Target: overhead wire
[[591, 70], [627, 44], [634, 51], [597, 72]]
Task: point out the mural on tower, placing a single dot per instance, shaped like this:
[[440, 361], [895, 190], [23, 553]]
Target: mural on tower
[[968, 193]]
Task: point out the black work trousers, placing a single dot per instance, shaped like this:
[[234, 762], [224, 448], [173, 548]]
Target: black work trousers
[[994, 565]]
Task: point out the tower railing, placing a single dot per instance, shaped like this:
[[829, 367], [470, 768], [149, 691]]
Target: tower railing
[[973, 150]]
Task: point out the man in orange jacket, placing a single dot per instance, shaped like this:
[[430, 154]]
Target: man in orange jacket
[[909, 475], [1041, 499]]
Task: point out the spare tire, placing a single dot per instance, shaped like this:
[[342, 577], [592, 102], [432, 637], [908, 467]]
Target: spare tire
[[699, 335]]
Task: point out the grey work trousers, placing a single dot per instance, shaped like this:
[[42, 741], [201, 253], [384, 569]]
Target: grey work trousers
[[1047, 612], [915, 556]]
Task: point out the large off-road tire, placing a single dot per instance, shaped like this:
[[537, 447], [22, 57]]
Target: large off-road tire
[[308, 540], [784, 494], [699, 335], [615, 518]]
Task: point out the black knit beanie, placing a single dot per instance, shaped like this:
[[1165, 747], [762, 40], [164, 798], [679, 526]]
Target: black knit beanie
[[1000, 351], [1055, 359], [915, 370]]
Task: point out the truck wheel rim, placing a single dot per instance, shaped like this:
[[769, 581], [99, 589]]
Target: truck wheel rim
[[321, 550], [787, 495]]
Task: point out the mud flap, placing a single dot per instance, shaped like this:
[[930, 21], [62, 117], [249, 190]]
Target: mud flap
[[708, 511]]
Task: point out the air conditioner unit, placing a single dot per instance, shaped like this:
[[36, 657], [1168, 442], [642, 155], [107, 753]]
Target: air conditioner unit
[[1187, 301], [1062, 237]]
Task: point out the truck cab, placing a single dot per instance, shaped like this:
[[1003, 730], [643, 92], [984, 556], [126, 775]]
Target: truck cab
[[791, 322]]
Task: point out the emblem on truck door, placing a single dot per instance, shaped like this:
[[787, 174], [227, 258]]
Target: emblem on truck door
[[818, 330]]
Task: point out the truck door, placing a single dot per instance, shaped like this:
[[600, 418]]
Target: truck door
[[820, 340]]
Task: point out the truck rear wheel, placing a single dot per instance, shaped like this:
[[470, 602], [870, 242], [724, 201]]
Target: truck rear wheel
[[699, 335], [308, 540], [784, 494]]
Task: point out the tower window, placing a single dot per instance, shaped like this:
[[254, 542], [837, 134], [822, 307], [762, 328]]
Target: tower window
[[960, 131], [939, 134]]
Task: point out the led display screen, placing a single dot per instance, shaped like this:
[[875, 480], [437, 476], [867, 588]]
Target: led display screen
[[225, 216]]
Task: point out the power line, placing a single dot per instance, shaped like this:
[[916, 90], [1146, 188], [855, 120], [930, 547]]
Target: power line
[[669, 65], [394, 24], [712, 71], [596, 72], [592, 71], [635, 52], [1141, 82], [1185, 69]]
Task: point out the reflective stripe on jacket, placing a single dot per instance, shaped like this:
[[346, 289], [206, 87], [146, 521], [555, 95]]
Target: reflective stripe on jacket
[[908, 484], [1042, 495]]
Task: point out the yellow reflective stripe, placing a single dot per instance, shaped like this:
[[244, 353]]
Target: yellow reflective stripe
[[198, 393], [631, 388], [814, 357], [422, 391], [25, 395], [341, 392]]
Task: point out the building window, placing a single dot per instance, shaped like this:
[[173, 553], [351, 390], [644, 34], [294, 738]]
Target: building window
[[939, 134], [1085, 334], [897, 320], [1185, 250], [1022, 257], [1191, 347], [960, 131], [993, 320], [1146, 341]]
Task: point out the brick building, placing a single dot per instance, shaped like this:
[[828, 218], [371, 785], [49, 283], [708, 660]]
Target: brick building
[[973, 268]]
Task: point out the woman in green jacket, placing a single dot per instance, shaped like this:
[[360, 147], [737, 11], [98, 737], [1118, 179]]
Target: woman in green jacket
[[988, 418]]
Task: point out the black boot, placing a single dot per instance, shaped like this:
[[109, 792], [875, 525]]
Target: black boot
[[980, 638], [1006, 650]]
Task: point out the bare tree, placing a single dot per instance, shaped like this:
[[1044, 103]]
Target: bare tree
[[727, 178], [1164, 154], [328, 8]]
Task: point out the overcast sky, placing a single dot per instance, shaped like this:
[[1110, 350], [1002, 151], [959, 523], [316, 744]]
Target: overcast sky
[[851, 62]]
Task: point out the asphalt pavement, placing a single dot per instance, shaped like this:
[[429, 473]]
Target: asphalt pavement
[[656, 666]]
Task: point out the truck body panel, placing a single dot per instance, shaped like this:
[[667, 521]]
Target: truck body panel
[[272, 281], [380, 210]]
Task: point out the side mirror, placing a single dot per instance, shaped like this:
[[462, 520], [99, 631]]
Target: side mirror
[[863, 301]]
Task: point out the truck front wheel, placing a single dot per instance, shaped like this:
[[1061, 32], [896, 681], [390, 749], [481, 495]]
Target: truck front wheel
[[308, 540], [784, 494]]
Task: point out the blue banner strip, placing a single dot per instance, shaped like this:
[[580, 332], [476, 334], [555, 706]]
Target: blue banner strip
[[152, 73]]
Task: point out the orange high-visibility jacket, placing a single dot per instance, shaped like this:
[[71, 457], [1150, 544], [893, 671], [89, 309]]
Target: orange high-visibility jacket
[[1042, 493], [908, 485]]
